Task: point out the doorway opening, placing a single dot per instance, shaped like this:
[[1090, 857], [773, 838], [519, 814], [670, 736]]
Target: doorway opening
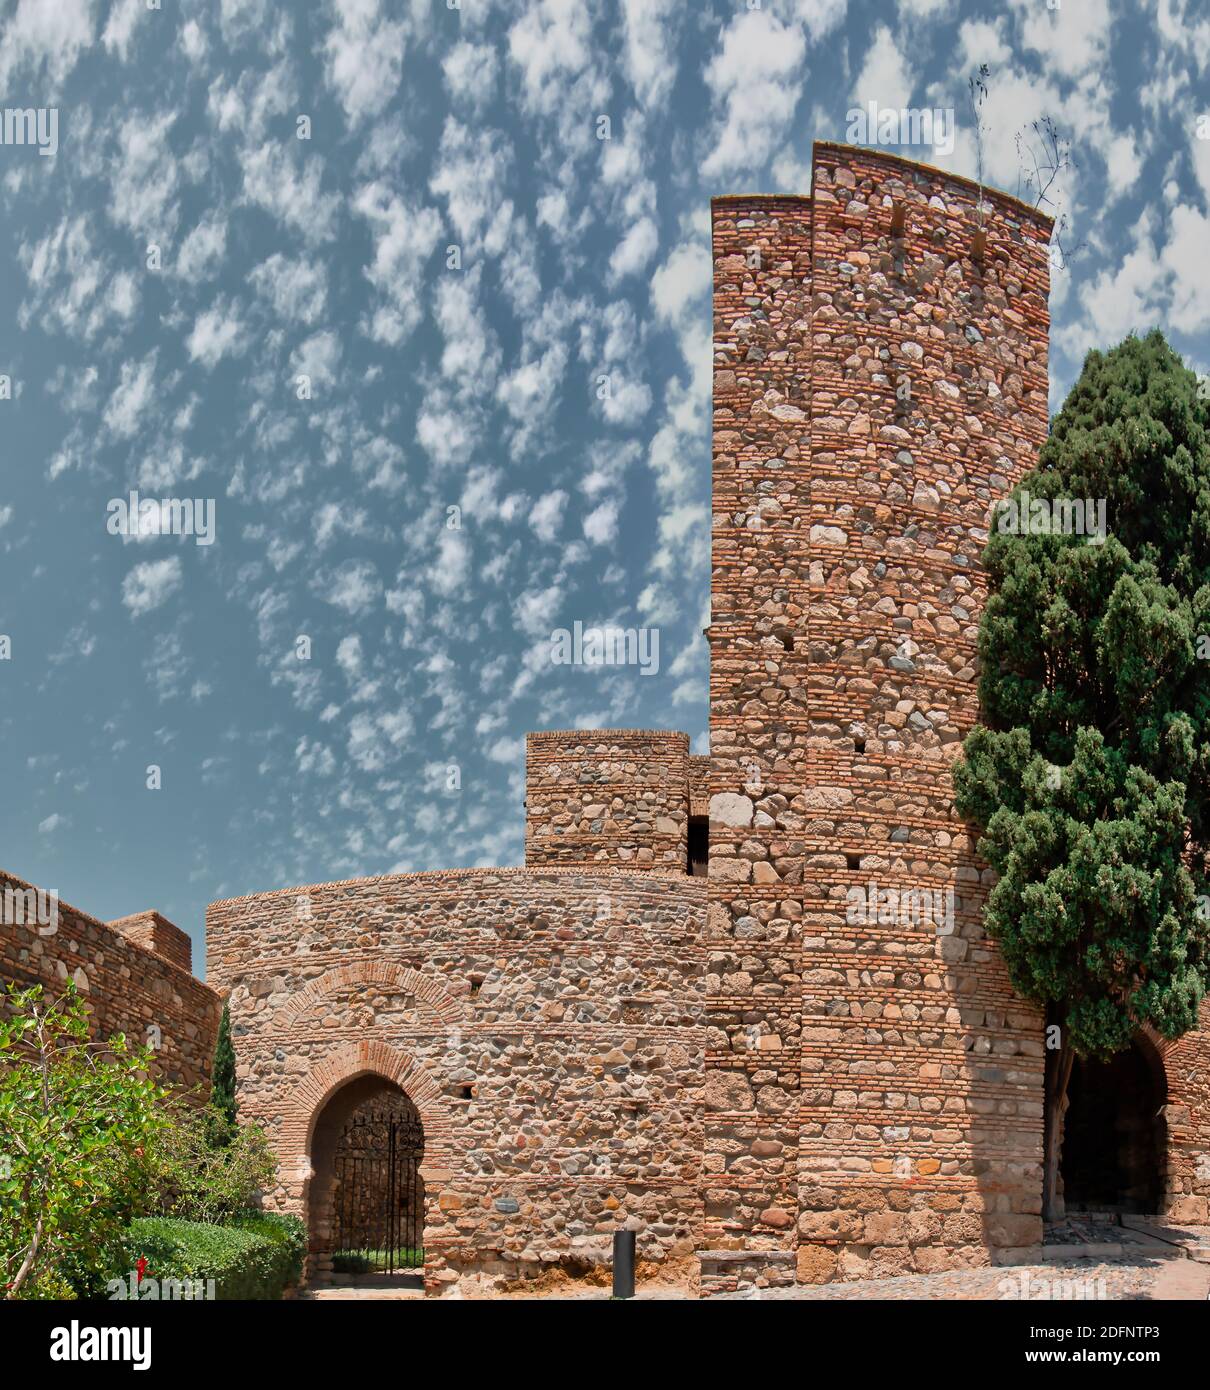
[[1114, 1134], [367, 1200]]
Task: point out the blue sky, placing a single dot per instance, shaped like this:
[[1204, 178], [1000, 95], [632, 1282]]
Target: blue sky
[[478, 387]]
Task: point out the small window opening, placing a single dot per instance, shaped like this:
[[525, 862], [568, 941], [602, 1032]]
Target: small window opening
[[699, 846], [467, 1093], [476, 983], [852, 861], [859, 745]]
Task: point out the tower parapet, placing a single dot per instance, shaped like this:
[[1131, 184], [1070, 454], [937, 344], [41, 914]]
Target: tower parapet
[[608, 798]]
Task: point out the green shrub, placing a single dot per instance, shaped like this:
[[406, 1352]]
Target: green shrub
[[78, 1119], [290, 1232], [206, 1172], [244, 1264]]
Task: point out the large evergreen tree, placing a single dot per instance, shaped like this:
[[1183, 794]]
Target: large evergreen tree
[[1089, 778]]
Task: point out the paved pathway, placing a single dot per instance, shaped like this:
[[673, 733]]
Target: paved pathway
[[1131, 1277]]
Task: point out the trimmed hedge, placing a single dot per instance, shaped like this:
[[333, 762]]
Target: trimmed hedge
[[244, 1263], [287, 1231]]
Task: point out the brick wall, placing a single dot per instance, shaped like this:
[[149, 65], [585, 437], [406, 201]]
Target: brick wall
[[128, 988], [873, 1088], [545, 1023], [607, 797]]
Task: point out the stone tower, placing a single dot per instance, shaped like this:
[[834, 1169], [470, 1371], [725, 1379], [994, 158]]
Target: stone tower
[[873, 1087]]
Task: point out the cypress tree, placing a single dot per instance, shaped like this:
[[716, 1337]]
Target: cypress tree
[[1089, 777], [222, 1091]]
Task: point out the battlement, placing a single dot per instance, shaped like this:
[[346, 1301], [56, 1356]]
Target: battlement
[[135, 973], [154, 932], [626, 798]]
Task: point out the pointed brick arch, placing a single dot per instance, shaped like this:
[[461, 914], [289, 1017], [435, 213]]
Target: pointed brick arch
[[345, 1064], [306, 1103], [396, 978]]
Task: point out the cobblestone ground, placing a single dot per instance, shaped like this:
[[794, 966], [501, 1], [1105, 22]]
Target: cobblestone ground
[[1127, 1278], [1099, 1280]]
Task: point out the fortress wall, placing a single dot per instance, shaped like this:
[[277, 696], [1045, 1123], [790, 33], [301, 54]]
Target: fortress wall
[[922, 1089], [546, 1023], [874, 1090], [607, 797], [758, 729], [127, 987], [1187, 1118]]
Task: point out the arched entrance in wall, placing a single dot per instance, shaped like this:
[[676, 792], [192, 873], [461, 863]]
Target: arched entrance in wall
[[366, 1198], [1114, 1133]]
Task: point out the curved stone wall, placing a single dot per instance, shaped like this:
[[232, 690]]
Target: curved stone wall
[[874, 1089], [545, 1023]]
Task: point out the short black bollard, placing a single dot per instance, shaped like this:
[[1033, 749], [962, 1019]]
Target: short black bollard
[[623, 1264]]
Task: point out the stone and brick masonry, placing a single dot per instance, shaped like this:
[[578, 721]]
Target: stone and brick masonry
[[768, 1085], [135, 975]]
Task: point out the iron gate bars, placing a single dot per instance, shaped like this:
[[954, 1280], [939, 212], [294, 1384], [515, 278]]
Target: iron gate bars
[[379, 1216]]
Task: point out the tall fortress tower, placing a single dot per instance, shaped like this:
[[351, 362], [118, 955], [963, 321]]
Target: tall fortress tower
[[740, 1004], [873, 1087]]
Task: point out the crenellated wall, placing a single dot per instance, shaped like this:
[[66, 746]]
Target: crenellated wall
[[135, 975]]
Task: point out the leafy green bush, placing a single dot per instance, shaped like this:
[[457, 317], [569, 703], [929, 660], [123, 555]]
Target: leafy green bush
[[78, 1121], [287, 1231], [244, 1264], [206, 1175]]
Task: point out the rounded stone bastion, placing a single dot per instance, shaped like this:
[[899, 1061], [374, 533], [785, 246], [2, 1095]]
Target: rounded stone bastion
[[544, 1024]]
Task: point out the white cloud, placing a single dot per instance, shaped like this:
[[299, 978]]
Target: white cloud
[[404, 239], [886, 76], [297, 289], [119, 28], [755, 77], [651, 49], [601, 524], [1185, 257], [42, 37], [151, 584], [217, 333], [451, 567], [317, 358], [635, 250], [546, 515], [470, 73], [203, 249], [287, 185], [364, 51], [144, 181], [684, 278], [352, 586], [131, 398]]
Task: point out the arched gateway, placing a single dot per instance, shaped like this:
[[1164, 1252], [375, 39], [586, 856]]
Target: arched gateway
[[365, 1211]]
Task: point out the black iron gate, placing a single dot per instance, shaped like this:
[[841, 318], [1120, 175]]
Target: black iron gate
[[379, 1195]]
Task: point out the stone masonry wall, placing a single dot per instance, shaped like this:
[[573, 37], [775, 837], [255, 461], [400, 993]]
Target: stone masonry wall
[[606, 797], [545, 1023], [873, 1088], [128, 988], [1187, 1177]]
